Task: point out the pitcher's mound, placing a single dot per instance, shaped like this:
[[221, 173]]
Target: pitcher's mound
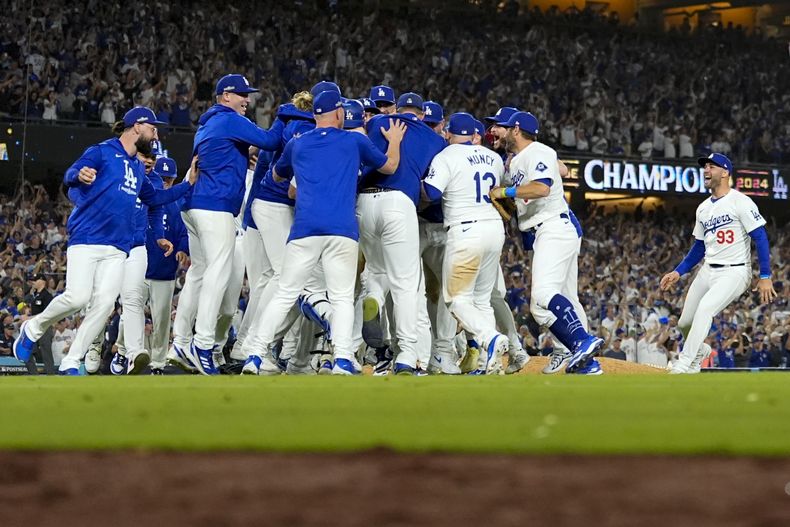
[[609, 366]]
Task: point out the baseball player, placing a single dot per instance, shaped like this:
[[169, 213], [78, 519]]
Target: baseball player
[[389, 236], [222, 144], [544, 214], [370, 108], [104, 184], [325, 164], [518, 358], [725, 225], [384, 99], [131, 356], [433, 238], [460, 176], [160, 276], [273, 212]]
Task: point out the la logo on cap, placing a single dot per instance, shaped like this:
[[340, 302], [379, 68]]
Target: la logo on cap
[[498, 111], [408, 100], [381, 92], [165, 168], [428, 111], [349, 115]]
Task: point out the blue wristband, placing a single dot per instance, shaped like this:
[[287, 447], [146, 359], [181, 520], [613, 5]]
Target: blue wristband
[[510, 192], [764, 277]]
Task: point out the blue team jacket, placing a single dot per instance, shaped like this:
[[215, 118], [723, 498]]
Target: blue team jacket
[[222, 145], [148, 218], [159, 266], [267, 189], [104, 211], [419, 146]]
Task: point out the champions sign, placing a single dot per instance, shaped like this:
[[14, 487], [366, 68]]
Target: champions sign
[[643, 177]]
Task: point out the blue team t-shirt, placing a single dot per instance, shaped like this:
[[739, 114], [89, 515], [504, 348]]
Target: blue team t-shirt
[[326, 164]]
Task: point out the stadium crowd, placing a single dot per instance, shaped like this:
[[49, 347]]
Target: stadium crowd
[[597, 85], [619, 293]]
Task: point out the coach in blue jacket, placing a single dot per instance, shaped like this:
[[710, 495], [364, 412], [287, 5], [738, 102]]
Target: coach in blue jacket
[[222, 146]]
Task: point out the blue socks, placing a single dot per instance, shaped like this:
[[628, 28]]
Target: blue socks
[[568, 327]]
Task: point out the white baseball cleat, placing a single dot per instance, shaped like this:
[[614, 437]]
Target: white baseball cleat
[[299, 369], [516, 362], [137, 362], [93, 359], [269, 367], [703, 353], [444, 363], [558, 360]]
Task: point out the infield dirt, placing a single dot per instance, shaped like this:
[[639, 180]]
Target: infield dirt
[[382, 488]]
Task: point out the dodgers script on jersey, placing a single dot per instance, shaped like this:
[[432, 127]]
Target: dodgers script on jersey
[[724, 225], [465, 173], [537, 161]]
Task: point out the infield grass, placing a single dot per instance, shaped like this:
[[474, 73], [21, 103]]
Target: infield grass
[[714, 414]]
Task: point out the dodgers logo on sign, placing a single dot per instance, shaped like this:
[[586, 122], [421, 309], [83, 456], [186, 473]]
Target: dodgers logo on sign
[[541, 167]]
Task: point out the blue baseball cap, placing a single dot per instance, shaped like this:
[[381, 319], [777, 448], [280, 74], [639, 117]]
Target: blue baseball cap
[[501, 115], [166, 167], [326, 101], [234, 83], [324, 86], [461, 123], [479, 127], [355, 114], [369, 105], [524, 120], [434, 113], [410, 99], [720, 160], [140, 114], [382, 94]]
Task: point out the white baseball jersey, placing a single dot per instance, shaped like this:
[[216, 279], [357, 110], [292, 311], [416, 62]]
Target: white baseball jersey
[[724, 225], [465, 173], [538, 161]]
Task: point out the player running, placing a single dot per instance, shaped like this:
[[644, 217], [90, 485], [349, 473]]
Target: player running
[[725, 222], [543, 214]]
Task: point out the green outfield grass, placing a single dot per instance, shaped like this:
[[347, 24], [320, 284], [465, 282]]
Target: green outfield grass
[[716, 414]]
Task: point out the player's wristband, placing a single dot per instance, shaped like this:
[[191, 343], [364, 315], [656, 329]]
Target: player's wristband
[[765, 277], [509, 192]]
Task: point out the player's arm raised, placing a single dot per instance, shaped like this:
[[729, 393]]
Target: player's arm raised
[[394, 136]]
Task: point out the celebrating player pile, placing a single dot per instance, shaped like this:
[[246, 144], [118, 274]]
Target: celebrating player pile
[[369, 232]]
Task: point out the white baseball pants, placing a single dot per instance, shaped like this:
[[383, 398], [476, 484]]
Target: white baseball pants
[[503, 314], [389, 238], [133, 301], [230, 300], [710, 292], [159, 294], [433, 239], [274, 221], [94, 274], [471, 264], [256, 280], [212, 240], [339, 257], [555, 269]]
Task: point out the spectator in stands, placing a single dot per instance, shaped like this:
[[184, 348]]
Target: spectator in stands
[[615, 351], [7, 336]]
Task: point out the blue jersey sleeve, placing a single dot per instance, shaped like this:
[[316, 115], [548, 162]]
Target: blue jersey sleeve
[[182, 237], [760, 237], [284, 166], [248, 132], [91, 158], [693, 257], [154, 198], [369, 155]]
